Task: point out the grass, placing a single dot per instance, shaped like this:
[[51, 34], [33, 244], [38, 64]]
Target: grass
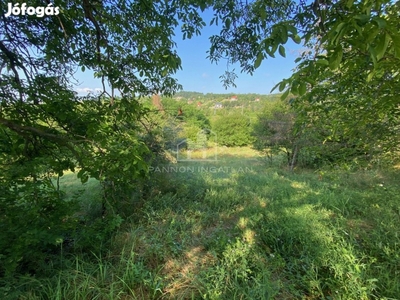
[[237, 228], [88, 193]]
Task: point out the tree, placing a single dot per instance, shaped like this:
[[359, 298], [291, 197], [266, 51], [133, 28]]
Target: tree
[[352, 78], [350, 65], [273, 131], [232, 130], [45, 128]]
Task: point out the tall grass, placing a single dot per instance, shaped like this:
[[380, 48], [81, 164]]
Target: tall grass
[[253, 232]]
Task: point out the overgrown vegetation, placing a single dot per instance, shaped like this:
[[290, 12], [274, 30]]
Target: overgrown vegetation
[[240, 229], [151, 225]]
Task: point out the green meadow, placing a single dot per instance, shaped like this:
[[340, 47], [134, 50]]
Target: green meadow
[[239, 227]]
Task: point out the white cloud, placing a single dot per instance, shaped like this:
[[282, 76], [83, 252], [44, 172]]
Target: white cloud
[[87, 90], [205, 75]]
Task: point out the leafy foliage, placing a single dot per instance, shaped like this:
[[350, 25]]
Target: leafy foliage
[[347, 79], [34, 223], [274, 132], [45, 128], [233, 130]]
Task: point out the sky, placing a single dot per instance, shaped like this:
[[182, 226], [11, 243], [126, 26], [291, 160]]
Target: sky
[[198, 74]]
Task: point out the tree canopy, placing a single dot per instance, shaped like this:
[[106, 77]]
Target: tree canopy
[[130, 47], [347, 77]]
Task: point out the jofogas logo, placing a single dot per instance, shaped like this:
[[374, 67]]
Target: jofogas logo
[[39, 11]]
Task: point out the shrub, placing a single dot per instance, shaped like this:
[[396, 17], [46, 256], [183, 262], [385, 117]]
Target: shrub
[[233, 130], [35, 221]]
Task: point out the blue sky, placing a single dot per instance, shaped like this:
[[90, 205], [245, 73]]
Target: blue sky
[[200, 75]]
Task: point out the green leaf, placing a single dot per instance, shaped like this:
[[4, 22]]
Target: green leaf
[[83, 68], [322, 62], [263, 14], [83, 176], [227, 23], [274, 48], [278, 84], [373, 55], [340, 27], [296, 38], [202, 5], [362, 19], [380, 22], [396, 44], [371, 35], [298, 59], [302, 89], [291, 28], [382, 42], [269, 51], [284, 35], [310, 81], [282, 51], [336, 58], [259, 59], [295, 88], [282, 86], [285, 94], [358, 28], [370, 76]]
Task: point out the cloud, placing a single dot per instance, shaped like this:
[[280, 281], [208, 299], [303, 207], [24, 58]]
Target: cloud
[[87, 90], [205, 75]]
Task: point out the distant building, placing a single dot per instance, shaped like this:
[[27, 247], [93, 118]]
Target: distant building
[[190, 101], [257, 100], [199, 104], [218, 105], [234, 98]]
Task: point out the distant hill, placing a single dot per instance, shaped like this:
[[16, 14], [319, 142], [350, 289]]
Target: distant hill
[[197, 96]]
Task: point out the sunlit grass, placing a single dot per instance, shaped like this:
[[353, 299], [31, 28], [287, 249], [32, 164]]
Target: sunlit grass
[[259, 233], [221, 153]]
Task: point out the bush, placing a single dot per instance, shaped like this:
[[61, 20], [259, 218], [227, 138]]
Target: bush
[[35, 222], [233, 130]]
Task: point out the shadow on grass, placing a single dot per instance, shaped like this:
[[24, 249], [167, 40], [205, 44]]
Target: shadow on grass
[[259, 232], [254, 232]]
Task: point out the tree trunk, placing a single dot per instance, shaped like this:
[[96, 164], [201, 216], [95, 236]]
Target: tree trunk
[[294, 158]]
